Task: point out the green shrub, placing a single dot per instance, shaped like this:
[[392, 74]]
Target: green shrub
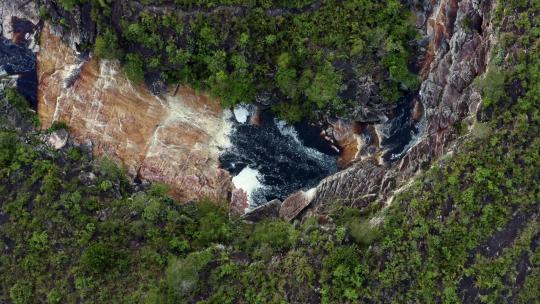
[[43, 12], [492, 86], [290, 112], [277, 235], [97, 258], [324, 86], [58, 125], [105, 185], [467, 24], [68, 5], [213, 226], [54, 297], [179, 245], [21, 293], [39, 241], [18, 102], [106, 45], [363, 232], [134, 69], [74, 154], [153, 210], [343, 270], [182, 275]]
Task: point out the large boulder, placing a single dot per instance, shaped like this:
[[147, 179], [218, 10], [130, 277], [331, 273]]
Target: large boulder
[[295, 204], [58, 139], [268, 210], [174, 138]]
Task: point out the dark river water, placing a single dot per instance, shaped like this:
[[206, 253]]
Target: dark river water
[[400, 132], [20, 62], [274, 159]]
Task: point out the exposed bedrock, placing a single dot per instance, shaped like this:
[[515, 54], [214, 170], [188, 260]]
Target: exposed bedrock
[[173, 138], [455, 55]]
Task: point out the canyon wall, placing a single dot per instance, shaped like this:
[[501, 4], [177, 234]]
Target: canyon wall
[[460, 37], [173, 138]]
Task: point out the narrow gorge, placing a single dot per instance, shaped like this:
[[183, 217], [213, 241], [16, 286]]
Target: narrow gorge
[[254, 151], [184, 138]]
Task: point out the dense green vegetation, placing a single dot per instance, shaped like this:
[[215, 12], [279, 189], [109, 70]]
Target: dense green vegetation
[[72, 228], [466, 231], [240, 48]]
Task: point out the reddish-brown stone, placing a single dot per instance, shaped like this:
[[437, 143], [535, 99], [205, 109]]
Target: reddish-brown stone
[[293, 205]]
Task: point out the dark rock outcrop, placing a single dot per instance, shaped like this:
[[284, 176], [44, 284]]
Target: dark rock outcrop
[[295, 204], [266, 211], [11, 10], [80, 30]]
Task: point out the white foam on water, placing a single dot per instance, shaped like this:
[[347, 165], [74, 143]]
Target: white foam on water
[[248, 180], [287, 130], [290, 131], [241, 113], [383, 129]]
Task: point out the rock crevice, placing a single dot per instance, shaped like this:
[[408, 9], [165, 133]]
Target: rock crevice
[[454, 57]]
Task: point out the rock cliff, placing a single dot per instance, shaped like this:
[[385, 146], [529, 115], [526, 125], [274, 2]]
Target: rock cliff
[[173, 138], [460, 37]]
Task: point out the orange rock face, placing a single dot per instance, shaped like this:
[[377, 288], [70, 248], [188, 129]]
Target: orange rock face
[[346, 135], [174, 138]]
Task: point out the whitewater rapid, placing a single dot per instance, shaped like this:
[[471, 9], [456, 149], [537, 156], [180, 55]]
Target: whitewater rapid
[[275, 159]]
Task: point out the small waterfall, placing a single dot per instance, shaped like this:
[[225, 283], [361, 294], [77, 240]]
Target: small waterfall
[[274, 159], [399, 133]]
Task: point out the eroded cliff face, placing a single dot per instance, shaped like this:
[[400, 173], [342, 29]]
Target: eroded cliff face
[[173, 138], [460, 37]]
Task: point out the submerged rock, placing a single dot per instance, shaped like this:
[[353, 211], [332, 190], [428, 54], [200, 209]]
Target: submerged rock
[[18, 20]]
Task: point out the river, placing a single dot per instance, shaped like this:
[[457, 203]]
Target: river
[[18, 62], [274, 159]]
